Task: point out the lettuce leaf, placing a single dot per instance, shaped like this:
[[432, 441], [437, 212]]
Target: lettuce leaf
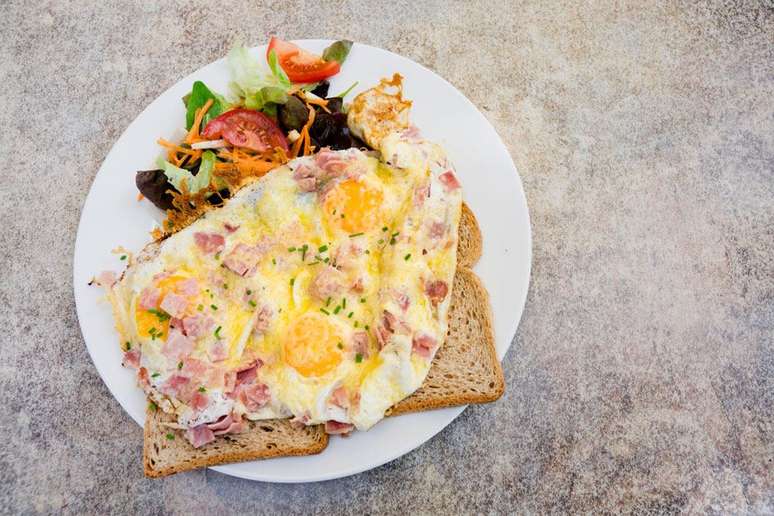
[[199, 96], [249, 75], [177, 176]]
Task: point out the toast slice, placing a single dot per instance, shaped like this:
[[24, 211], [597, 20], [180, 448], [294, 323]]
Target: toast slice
[[166, 451], [465, 370]]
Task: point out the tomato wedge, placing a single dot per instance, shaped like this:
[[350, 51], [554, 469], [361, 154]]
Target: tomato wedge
[[300, 65], [246, 128]]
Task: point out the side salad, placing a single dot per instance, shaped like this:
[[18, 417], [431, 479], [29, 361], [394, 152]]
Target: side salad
[[274, 111]]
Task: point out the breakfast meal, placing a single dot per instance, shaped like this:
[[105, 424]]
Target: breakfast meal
[[312, 275]]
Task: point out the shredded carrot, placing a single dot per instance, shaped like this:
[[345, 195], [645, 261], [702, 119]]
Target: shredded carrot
[[177, 148], [193, 133], [140, 197]]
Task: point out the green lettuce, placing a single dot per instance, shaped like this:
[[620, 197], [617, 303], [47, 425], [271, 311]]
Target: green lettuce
[[199, 96], [177, 176]]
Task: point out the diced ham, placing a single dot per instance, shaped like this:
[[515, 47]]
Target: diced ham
[[328, 283], [438, 229], [221, 424], [337, 428], [411, 134], [358, 286], [174, 304], [254, 396], [177, 347], [385, 328], [178, 386], [132, 358], [241, 260], [330, 161], [106, 279], [218, 351], [449, 181], [229, 381], [402, 299], [176, 324], [189, 287], [194, 369], [423, 345], [360, 343], [197, 325], [299, 422], [199, 401], [247, 375], [231, 228], [149, 298], [209, 243], [263, 320], [200, 435], [214, 377], [225, 425], [307, 184], [340, 398], [143, 380], [420, 194], [162, 275], [234, 428], [436, 291]]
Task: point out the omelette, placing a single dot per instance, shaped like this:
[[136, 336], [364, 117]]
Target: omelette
[[318, 292]]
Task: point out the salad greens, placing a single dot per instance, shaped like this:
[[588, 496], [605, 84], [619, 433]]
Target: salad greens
[[177, 175], [337, 51], [199, 96]]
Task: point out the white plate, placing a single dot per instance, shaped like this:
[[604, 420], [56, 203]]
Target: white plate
[[112, 217]]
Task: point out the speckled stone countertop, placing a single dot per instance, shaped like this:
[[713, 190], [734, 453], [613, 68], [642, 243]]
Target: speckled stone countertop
[[642, 375]]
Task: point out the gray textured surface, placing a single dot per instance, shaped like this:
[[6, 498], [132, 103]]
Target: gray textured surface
[[642, 375]]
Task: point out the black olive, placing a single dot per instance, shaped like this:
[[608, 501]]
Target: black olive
[[335, 104], [153, 184], [293, 114], [321, 90]]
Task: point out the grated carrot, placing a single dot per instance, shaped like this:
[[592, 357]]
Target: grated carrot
[[193, 133]]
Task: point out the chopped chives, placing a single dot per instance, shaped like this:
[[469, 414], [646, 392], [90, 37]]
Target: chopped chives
[[358, 358], [155, 375], [407, 257], [200, 307], [337, 310], [217, 332], [292, 280], [273, 261], [357, 324], [123, 257], [384, 228], [344, 302], [362, 300], [326, 312], [350, 314], [291, 249], [252, 303], [328, 301], [249, 292], [340, 345], [202, 389], [353, 235], [180, 365], [152, 406], [322, 248], [171, 437], [367, 327], [214, 307]]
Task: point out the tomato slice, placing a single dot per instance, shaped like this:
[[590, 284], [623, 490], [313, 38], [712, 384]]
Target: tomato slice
[[300, 65], [246, 128]]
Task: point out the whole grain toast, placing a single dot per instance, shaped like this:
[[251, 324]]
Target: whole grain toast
[[166, 451], [465, 370]]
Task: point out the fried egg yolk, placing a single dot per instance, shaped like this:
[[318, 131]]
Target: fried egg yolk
[[312, 345], [149, 323], [353, 206]]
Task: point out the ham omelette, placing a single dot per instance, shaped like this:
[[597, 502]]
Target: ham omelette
[[319, 292]]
